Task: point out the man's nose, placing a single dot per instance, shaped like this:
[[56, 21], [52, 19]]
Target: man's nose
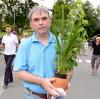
[[40, 21]]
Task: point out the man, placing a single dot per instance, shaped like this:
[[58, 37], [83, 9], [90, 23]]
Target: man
[[9, 43], [34, 62], [95, 61]]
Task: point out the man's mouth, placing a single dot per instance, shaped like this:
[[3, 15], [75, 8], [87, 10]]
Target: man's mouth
[[42, 28]]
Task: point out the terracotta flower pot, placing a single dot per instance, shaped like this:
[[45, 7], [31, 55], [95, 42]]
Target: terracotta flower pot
[[61, 83]]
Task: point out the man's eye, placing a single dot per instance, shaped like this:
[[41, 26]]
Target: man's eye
[[44, 18], [36, 19]]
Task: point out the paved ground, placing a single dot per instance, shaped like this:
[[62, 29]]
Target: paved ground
[[83, 84], [15, 89]]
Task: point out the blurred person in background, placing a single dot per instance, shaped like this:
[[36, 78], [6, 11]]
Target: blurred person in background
[[25, 35], [9, 43], [95, 61]]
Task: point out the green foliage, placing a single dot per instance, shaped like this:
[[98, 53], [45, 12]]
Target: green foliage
[[1, 34], [98, 20], [58, 13], [29, 31], [91, 16], [18, 10], [71, 40]]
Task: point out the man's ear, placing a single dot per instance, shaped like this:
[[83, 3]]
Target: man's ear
[[50, 21], [30, 24]]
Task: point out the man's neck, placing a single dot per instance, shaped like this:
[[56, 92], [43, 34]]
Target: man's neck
[[8, 34], [43, 38]]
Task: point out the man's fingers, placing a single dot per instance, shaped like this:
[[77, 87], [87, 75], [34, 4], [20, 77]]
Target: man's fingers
[[54, 93], [52, 79], [69, 84], [53, 90]]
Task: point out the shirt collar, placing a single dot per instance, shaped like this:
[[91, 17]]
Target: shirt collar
[[51, 37]]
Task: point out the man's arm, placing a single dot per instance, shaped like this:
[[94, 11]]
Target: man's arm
[[17, 45], [16, 41], [1, 46], [44, 82], [25, 76]]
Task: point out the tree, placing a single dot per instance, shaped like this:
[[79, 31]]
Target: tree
[[91, 17], [98, 20], [60, 11], [1, 8], [16, 12]]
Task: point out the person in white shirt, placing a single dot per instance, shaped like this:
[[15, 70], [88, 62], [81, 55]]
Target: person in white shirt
[[9, 43]]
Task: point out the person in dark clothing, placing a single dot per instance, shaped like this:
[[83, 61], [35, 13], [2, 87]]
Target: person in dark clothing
[[95, 61]]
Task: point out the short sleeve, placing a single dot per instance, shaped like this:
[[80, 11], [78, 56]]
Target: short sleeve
[[2, 40], [16, 39], [20, 62]]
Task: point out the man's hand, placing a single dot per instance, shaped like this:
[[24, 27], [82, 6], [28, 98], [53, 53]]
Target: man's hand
[[1, 46], [69, 75], [47, 85]]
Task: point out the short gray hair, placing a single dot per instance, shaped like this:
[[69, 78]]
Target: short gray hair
[[38, 8]]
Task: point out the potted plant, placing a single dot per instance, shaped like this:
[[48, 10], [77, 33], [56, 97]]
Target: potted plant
[[69, 44]]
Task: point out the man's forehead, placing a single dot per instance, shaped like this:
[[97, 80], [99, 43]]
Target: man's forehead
[[8, 27], [97, 38], [40, 14]]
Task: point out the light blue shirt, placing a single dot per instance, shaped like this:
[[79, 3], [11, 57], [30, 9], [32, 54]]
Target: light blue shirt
[[37, 59]]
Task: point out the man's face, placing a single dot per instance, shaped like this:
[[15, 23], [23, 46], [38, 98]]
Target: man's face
[[98, 40], [8, 30], [40, 22]]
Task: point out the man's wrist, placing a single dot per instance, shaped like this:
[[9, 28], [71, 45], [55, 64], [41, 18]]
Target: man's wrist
[[40, 81]]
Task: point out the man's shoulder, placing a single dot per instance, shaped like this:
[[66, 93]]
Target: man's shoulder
[[4, 35], [27, 41], [26, 44], [13, 35]]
